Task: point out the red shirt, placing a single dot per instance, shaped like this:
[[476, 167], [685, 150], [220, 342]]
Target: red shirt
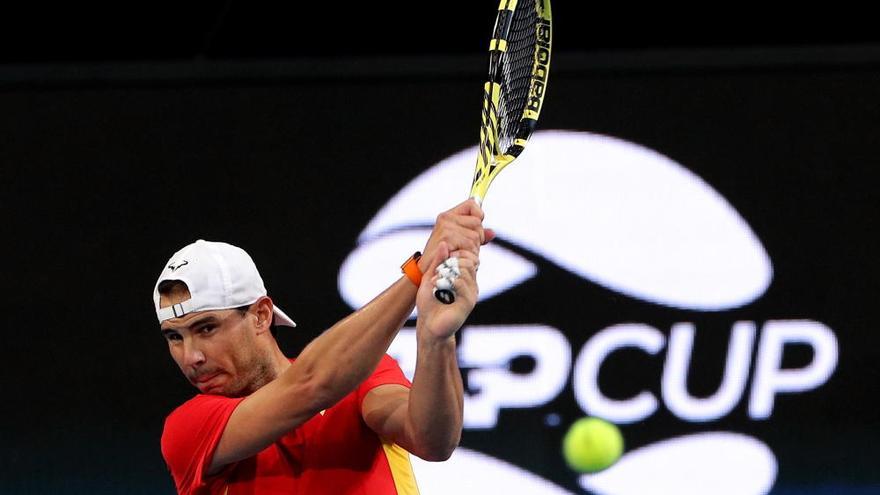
[[333, 453]]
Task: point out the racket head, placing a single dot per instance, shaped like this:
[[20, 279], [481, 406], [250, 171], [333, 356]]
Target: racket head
[[519, 65]]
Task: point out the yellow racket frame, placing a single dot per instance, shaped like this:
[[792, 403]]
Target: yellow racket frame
[[490, 159]]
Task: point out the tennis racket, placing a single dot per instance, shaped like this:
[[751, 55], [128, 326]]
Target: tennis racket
[[519, 63]]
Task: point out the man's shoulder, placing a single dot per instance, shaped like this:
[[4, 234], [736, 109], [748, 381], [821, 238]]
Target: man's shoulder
[[191, 432], [201, 416], [200, 405], [198, 401]]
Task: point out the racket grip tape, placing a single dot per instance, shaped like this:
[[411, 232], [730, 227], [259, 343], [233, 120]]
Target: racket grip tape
[[444, 289], [446, 296]]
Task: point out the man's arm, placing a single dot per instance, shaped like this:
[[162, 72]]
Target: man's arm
[[427, 419], [333, 364]]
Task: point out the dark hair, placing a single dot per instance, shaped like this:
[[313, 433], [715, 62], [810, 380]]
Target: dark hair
[[165, 286]]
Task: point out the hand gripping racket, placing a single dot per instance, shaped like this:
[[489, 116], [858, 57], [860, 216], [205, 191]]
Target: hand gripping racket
[[519, 63]]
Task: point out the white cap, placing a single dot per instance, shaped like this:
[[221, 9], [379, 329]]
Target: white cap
[[218, 276]]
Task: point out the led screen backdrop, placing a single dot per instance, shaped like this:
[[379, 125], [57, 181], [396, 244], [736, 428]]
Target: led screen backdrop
[[686, 251]]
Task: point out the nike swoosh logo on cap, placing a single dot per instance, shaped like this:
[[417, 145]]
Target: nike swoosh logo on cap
[[174, 267]]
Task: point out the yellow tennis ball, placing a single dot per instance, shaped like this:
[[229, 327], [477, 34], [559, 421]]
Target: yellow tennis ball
[[592, 444]]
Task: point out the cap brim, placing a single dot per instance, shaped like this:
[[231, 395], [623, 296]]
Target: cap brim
[[281, 318]]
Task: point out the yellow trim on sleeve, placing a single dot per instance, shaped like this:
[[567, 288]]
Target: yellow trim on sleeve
[[401, 469]]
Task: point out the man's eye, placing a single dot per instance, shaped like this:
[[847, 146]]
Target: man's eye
[[172, 336], [207, 329]]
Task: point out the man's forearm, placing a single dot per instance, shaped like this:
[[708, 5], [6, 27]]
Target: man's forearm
[[435, 401], [344, 355]]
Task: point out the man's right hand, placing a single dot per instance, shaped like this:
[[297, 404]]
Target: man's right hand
[[460, 229], [440, 321]]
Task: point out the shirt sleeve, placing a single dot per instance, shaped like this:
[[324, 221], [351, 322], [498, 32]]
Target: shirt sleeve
[[190, 438], [387, 373]]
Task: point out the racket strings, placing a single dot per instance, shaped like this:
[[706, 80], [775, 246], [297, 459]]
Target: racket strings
[[516, 65]]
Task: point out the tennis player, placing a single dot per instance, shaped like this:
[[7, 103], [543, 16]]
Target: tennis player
[[341, 417]]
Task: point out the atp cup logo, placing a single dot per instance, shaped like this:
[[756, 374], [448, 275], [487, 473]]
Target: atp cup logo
[[637, 223]]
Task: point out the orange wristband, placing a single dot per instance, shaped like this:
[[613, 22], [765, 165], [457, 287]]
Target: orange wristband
[[410, 268]]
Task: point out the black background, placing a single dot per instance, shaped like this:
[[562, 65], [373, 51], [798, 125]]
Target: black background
[[105, 175], [99, 31]]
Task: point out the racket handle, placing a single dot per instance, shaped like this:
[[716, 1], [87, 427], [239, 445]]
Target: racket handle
[[446, 296], [444, 290]]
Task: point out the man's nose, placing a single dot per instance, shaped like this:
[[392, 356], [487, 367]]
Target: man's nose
[[192, 355]]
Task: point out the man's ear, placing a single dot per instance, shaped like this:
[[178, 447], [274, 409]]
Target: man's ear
[[263, 311]]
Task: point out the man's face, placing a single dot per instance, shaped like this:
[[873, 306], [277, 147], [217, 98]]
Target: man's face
[[216, 350]]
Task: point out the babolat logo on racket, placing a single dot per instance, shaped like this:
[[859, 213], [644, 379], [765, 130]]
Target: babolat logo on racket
[[628, 222], [540, 71]]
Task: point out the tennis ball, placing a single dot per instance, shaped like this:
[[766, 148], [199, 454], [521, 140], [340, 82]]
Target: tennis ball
[[591, 445]]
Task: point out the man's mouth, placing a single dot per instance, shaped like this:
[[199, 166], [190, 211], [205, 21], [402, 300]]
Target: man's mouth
[[201, 379]]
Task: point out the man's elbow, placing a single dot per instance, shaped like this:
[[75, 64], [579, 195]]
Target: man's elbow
[[437, 455], [438, 452]]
